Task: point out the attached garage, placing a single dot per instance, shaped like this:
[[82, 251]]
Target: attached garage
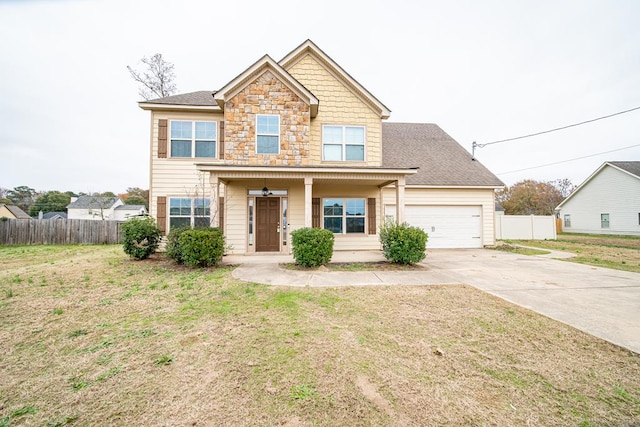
[[447, 226]]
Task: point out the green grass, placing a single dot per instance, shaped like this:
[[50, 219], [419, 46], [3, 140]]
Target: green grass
[[200, 347]]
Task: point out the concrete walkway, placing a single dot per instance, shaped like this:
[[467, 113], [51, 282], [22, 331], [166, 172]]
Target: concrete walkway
[[600, 301]]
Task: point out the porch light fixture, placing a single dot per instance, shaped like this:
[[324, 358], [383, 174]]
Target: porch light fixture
[[265, 190]]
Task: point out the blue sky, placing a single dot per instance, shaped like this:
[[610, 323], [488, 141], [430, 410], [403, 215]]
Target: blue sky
[[483, 71]]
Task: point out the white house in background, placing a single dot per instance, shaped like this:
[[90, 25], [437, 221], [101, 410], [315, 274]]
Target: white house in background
[[93, 207], [608, 202], [124, 212]]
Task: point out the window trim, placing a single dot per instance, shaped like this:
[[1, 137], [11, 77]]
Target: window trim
[[343, 144], [344, 215], [193, 139], [192, 209], [277, 135]]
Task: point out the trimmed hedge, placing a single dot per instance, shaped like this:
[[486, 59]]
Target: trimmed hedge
[[201, 247], [312, 247], [140, 237], [402, 243]]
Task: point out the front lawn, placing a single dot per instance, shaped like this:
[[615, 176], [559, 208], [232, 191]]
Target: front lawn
[[91, 337], [617, 252]]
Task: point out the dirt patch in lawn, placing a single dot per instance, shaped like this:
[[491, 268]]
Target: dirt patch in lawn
[[95, 338]]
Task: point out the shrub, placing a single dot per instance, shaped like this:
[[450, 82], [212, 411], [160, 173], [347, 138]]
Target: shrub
[[312, 246], [140, 237], [403, 244], [173, 244], [201, 247]]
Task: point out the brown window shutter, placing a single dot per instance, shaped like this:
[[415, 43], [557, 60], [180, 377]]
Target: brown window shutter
[[315, 212], [371, 215], [162, 138], [221, 141], [162, 214], [221, 214]]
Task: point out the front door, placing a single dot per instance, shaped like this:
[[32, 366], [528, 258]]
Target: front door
[[267, 224]]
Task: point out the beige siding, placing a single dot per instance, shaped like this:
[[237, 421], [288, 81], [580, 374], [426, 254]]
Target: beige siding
[[338, 105], [176, 177], [453, 197]]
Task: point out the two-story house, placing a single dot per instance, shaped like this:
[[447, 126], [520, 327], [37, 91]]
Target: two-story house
[[300, 143]]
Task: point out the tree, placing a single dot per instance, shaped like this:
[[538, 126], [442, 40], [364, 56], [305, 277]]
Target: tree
[[156, 77], [22, 196], [51, 201], [531, 197], [135, 200]]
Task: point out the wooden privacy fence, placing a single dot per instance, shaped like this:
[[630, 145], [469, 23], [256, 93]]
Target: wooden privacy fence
[[59, 232]]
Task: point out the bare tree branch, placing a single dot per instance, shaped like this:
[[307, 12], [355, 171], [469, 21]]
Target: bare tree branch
[[156, 78]]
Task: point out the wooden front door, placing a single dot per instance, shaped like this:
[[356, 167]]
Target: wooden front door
[[267, 224]]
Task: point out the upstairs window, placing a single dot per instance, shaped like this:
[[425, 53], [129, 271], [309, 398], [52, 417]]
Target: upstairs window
[[344, 216], [267, 134], [343, 143], [604, 220], [193, 139]]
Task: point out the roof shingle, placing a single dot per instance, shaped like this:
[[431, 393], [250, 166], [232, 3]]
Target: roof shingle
[[440, 159], [631, 167], [200, 98]]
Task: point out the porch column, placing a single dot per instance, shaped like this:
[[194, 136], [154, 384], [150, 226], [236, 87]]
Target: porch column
[[400, 184], [213, 203], [308, 195]]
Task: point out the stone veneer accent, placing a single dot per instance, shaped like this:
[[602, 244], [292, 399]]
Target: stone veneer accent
[[266, 95]]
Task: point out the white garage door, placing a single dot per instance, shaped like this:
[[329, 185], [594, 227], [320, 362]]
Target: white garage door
[[447, 226]]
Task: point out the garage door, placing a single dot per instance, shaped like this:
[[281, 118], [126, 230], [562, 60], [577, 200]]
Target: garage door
[[447, 226]]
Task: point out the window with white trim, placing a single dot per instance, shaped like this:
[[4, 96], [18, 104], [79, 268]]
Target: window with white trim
[[604, 220], [567, 220], [193, 139], [344, 216], [267, 134], [189, 212], [343, 143]]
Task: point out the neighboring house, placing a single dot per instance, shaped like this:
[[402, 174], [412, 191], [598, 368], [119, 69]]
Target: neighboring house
[[607, 202], [124, 212], [12, 212], [52, 215], [93, 207], [300, 143]]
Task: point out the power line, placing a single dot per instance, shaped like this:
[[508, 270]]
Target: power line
[[570, 160], [556, 129]]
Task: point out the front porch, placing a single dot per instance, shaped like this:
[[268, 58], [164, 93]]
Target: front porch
[[262, 205]]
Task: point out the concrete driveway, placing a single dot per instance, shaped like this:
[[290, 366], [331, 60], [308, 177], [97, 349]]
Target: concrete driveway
[[602, 302]]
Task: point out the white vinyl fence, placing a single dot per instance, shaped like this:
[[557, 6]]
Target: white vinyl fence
[[525, 227]]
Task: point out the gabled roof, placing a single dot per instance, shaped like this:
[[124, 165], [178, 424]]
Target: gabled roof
[[442, 162], [629, 167], [254, 71], [93, 202], [54, 215], [16, 211], [308, 47]]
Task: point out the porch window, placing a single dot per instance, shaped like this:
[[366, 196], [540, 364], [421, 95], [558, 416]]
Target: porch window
[[193, 139], [267, 134], [344, 216], [567, 220], [604, 220], [343, 143], [189, 212]]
